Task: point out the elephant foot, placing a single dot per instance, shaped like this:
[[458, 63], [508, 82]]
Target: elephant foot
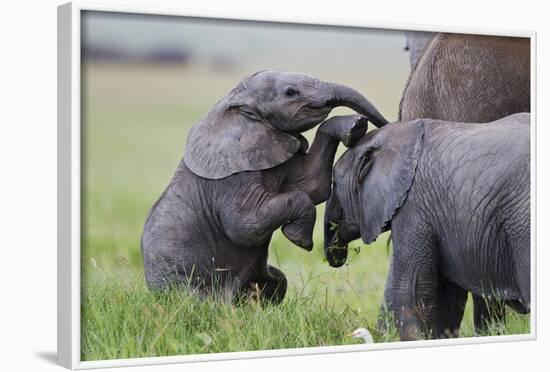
[[267, 290], [253, 292], [347, 129], [356, 131], [295, 233]]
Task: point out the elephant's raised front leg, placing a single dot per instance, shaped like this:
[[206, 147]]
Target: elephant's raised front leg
[[292, 210], [312, 172]]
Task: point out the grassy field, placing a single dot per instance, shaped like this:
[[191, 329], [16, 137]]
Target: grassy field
[[135, 122]]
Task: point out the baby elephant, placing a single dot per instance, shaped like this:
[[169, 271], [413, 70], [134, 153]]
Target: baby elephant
[[246, 172], [456, 197]]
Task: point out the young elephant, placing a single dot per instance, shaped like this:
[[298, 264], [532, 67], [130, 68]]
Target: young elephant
[[456, 197], [245, 173], [468, 78]]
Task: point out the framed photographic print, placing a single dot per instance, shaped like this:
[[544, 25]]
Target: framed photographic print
[[242, 188]]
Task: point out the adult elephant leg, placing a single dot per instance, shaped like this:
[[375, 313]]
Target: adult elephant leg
[[312, 173], [487, 312], [449, 309]]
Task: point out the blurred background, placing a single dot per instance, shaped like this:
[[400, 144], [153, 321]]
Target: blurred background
[[147, 79]]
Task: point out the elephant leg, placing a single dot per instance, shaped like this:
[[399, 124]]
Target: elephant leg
[[268, 283], [413, 307], [384, 322], [312, 172], [518, 236], [272, 286], [414, 278], [293, 210], [487, 312], [449, 309]]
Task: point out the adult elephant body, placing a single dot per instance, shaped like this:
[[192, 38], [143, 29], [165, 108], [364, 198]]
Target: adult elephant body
[[416, 42], [246, 172], [468, 78], [457, 198]]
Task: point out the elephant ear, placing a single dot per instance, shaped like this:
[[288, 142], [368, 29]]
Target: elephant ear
[[234, 140], [385, 173]]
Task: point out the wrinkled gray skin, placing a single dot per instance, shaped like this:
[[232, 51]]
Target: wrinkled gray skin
[[246, 172], [416, 41], [468, 78], [456, 197]]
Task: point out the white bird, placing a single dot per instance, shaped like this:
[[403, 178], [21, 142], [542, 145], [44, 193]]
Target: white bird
[[362, 333]]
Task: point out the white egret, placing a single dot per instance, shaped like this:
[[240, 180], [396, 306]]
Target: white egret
[[362, 333]]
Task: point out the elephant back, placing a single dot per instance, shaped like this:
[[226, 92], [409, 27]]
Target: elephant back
[[469, 78]]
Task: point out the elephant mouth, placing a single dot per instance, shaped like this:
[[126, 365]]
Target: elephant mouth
[[318, 108], [320, 105], [345, 233], [336, 250], [337, 236], [307, 117]]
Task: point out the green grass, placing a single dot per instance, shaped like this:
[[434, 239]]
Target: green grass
[[125, 320], [135, 123]]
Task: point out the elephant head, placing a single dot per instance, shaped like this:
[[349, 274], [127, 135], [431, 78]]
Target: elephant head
[[370, 183], [257, 125]]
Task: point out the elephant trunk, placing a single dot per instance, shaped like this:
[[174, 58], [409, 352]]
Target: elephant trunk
[[336, 252], [342, 95]]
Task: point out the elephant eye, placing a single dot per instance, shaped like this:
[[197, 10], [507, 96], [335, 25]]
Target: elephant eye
[[291, 92]]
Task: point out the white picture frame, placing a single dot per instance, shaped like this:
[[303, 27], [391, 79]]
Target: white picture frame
[[69, 176]]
